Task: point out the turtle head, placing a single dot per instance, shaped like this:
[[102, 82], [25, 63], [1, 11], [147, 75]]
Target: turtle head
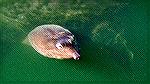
[[66, 45]]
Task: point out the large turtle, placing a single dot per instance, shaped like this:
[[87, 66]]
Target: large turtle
[[53, 41]]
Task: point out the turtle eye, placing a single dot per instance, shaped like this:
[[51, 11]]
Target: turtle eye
[[71, 37], [69, 40], [59, 46]]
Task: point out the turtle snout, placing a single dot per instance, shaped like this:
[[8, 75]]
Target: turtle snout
[[76, 56]]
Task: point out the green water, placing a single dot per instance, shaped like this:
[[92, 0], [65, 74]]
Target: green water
[[112, 36]]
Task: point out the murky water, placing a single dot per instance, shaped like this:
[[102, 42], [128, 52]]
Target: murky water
[[112, 37]]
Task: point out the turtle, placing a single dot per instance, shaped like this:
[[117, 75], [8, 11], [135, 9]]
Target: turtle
[[53, 41]]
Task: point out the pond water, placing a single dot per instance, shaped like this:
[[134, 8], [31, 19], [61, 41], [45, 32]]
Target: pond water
[[112, 36]]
